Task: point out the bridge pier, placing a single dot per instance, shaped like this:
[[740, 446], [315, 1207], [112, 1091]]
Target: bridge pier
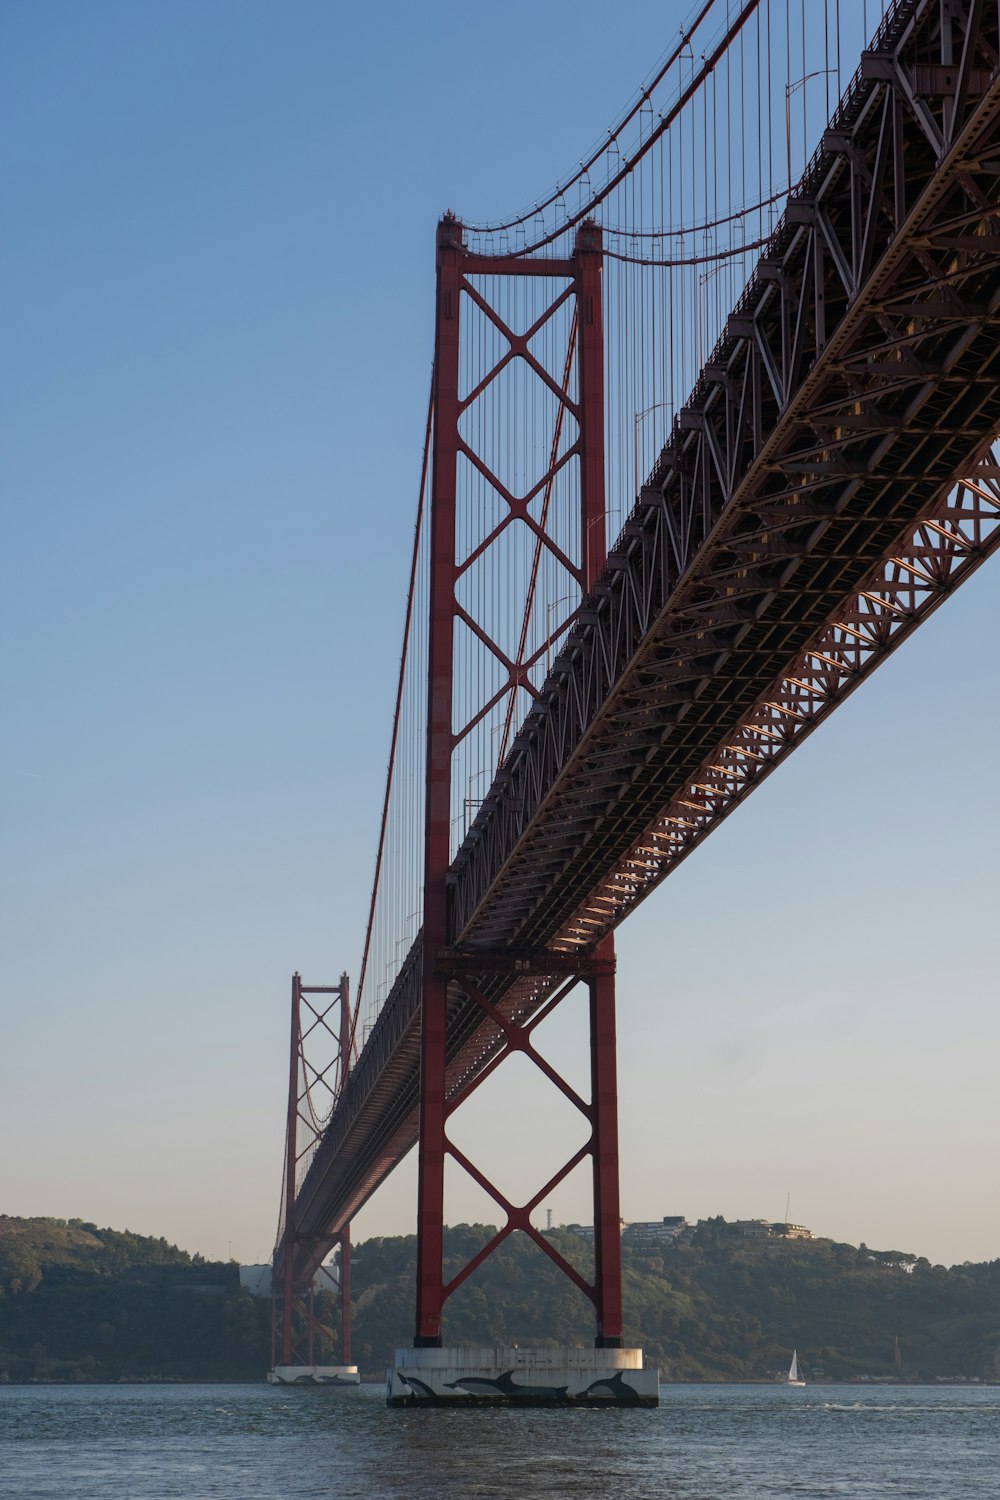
[[314, 1375], [515, 1376]]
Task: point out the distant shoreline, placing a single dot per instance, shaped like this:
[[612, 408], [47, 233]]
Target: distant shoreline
[[876, 1383]]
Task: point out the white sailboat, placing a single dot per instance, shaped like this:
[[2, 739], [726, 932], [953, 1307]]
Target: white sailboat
[[794, 1378]]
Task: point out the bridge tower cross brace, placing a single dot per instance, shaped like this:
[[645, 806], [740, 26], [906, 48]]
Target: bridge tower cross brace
[[584, 270]]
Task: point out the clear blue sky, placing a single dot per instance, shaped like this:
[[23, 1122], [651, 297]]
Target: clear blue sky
[[217, 272]]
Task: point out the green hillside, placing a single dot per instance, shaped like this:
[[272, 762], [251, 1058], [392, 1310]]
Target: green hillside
[[82, 1303], [719, 1308]]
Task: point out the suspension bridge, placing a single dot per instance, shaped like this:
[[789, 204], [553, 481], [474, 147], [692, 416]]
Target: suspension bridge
[[709, 436]]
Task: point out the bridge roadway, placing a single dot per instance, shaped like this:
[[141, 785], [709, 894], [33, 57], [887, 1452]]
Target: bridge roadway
[[857, 378]]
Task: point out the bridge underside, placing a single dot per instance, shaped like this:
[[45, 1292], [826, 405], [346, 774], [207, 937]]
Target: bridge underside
[[796, 529]]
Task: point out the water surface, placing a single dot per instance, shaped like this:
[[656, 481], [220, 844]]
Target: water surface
[[230, 1442]]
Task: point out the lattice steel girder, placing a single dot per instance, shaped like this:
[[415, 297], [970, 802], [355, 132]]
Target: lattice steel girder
[[932, 560], [819, 339]]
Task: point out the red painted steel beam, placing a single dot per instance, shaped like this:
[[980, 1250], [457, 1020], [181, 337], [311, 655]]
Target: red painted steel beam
[[291, 1162], [589, 265], [437, 826], [345, 1296], [604, 1104]]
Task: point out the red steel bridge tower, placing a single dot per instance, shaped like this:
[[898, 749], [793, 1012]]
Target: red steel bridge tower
[[319, 1063], [450, 974]]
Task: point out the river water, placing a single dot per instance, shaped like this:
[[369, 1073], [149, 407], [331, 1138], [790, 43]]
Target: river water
[[231, 1442]]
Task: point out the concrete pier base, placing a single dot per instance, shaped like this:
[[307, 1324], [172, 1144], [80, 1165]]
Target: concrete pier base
[[521, 1377], [314, 1375]]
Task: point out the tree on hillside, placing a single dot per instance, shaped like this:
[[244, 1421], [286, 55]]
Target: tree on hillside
[[19, 1268]]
